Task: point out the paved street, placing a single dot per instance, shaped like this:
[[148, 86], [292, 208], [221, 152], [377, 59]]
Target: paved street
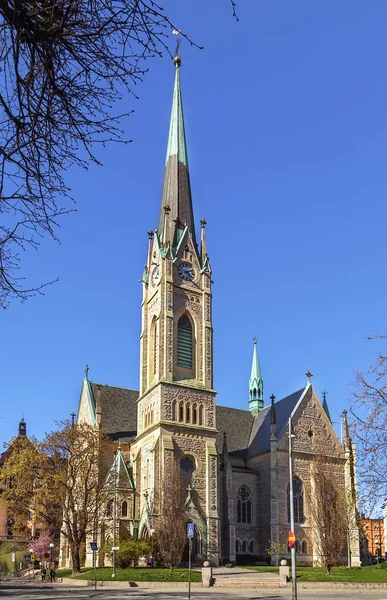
[[34, 591]]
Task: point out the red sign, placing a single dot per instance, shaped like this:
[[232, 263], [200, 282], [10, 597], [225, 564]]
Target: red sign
[[291, 539]]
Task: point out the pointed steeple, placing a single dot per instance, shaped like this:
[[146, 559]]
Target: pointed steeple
[[177, 187], [119, 477], [325, 405], [255, 384]]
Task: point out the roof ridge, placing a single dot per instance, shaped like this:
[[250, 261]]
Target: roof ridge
[[117, 387]]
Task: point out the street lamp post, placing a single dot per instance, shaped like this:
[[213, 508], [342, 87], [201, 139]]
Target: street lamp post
[[152, 532], [52, 545], [293, 548]]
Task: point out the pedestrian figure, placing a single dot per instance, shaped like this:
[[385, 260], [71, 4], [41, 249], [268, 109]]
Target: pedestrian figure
[[52, 575], [43, 573]]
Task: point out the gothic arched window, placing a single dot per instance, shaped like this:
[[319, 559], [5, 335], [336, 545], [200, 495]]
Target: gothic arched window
[[237, 547], [304, 547], [188, 413], [298, 498], [184, 343], [174, 416], [124, 509], [109, 510], [194, 414], [181, 411], [244, 547], [251, 549], [244, 505], [201, 414]]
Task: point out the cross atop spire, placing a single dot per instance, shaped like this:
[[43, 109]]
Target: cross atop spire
[[255, 384], [177, 187]]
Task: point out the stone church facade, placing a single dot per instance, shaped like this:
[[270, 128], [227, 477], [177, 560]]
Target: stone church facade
[[237, 460]]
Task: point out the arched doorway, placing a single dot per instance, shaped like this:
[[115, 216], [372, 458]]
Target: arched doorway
[[197, 548]]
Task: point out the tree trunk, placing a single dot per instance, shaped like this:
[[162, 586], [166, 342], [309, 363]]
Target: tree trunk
[[76, 557]]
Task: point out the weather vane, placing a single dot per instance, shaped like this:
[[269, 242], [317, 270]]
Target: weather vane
[[176, 57]]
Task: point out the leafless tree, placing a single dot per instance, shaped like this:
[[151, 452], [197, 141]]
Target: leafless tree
[[368, 410], [171, 525], [64, 64], [328, 510]]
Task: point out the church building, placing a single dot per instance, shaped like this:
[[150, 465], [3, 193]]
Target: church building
[[237, 460]]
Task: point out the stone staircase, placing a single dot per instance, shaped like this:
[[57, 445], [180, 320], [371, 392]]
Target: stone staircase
[[244, 578]]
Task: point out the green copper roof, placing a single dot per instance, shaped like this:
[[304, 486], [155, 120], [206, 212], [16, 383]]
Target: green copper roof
[[255, 384], [176, 138], [119, 477]]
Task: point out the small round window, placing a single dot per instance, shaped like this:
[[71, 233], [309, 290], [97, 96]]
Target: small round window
[[187, 464]]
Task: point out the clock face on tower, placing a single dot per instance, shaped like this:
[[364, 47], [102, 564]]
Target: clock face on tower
[[186, 272], [155, 276]]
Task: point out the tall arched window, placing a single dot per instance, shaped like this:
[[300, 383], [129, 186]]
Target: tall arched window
[[244, 505], [304, 547], [237, 547], [184, 343], [251, 549], [244, 547], [154, 348], [298, 496], [174, 415], [200, 414], [297, 545], [194, 414], [109, 510], [181, 411], [188, 413], [124, 509]]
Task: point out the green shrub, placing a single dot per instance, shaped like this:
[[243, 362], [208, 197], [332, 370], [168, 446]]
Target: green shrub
[[131, 551]]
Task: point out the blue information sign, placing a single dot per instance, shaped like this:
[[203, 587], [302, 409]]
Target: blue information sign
[[94, 546], [27, 557], [190, 530]]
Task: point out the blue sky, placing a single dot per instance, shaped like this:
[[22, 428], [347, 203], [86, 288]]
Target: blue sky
[[286, 125]]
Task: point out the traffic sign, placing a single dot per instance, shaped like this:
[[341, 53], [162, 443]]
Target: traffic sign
[[33, 557], [27, 557], [291, 539], [115, 548], [94, 546], [46, 555], [190, 530]]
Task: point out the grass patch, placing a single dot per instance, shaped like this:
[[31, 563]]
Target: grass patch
[[135, 574], [64, 572], [371, 574]]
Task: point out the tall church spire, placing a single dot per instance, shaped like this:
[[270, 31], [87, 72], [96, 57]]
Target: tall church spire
[[177, 187], [255, 384]]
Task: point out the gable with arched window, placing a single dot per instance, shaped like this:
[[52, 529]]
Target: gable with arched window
[[184, 343], [244, 503], [298, 499]]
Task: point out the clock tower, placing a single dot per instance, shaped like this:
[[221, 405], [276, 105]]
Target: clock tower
[[176, 408]]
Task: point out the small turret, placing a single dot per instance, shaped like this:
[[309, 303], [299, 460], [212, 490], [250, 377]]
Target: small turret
[[22, 428], [255, 384]]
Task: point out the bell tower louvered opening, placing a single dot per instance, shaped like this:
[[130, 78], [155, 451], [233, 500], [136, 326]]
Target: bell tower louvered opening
[[184, 343]]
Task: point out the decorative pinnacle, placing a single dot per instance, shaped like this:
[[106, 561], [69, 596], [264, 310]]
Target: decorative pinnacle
[[272, 398], [309, 375], [255, 340], [87, 372], [167, 209], [203, 223], [150, 234], [324, 393]]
